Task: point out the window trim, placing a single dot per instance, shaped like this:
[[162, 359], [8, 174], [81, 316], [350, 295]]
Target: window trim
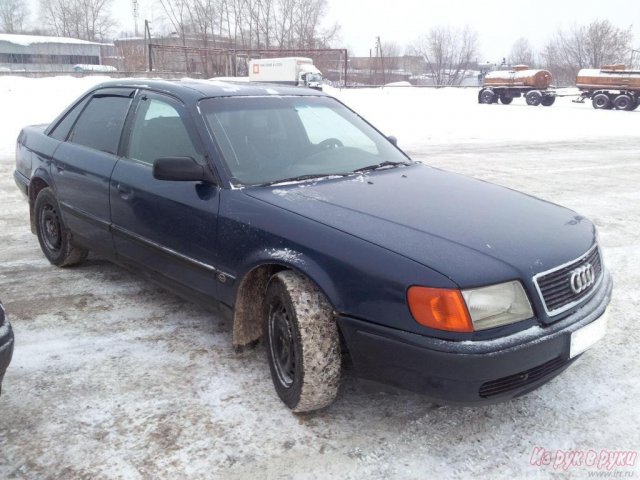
[[118, 92], [182, 109]]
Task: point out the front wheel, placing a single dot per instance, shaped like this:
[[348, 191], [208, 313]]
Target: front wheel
[[55, 240], [601, 101], [303, 346], [486, 96]]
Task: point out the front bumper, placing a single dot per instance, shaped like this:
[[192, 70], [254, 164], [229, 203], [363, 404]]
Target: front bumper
[[471, 372], [6, 349]]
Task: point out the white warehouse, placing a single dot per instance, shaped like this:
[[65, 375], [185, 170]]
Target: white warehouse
[[35, 53]]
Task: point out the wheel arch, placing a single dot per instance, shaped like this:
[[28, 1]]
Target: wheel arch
[[252, 286], [39, 180]]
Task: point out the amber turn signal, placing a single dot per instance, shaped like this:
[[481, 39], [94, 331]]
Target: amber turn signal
[[439, 308]]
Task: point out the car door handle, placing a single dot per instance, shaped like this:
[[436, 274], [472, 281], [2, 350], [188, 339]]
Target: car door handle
[[125, 192]]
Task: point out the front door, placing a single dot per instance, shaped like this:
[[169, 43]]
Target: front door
[[167, 226]]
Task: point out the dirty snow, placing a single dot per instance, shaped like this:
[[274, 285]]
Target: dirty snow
[[113, 377]]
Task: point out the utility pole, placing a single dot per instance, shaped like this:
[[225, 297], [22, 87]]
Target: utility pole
[[147, 41], [135, 16], [381, 56]]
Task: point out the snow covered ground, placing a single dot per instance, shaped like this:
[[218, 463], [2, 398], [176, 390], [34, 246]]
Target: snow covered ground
[[115, 378]]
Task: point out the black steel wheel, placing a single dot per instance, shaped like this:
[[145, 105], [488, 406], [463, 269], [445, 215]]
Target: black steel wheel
[[55, 240], [302, 342]]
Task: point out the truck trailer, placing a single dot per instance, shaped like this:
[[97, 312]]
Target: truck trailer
[[505, 85], [612, 86], [298, 71]]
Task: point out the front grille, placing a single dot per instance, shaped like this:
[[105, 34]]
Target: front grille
[[512, 382], [554, 285]]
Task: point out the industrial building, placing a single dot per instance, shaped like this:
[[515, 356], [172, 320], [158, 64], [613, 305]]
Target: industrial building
[[35, 53]]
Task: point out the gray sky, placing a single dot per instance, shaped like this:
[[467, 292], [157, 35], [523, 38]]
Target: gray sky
[[404, 20]]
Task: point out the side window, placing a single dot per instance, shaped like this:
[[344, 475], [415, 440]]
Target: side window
[[100, 124], [159, 130], [61, 130]]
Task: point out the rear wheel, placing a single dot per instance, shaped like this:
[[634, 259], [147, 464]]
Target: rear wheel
[[505, 100], [303, 345], [623, 102], [486, 96], [548, 100], [55, 240], [601, 101], [533, 98]]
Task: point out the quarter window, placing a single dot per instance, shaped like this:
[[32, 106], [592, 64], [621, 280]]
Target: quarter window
[[100, 124], [61, 131]]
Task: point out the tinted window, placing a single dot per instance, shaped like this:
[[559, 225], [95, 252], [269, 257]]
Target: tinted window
[[100, 124], [61, 131], [267, 139], [159, 130]]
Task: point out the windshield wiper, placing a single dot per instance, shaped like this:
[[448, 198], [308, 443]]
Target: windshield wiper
[[300, 178], [369, 168]]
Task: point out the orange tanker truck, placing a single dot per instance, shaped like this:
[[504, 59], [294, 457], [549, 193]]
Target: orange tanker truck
[[505, 85], [610, 87]]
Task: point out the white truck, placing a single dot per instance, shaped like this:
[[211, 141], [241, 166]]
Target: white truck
[[298, 71]]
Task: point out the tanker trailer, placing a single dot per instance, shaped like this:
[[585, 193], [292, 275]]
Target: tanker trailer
[[505, 85], [610, 87]]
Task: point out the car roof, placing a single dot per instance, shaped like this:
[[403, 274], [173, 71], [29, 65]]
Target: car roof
[[194, 90]]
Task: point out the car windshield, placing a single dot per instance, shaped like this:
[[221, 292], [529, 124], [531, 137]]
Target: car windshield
[[314, 77], [265, 140]]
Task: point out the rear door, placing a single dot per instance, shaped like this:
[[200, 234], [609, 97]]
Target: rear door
[[82, 166], [167, 226]]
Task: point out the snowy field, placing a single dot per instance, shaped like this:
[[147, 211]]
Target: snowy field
[[115, 378]]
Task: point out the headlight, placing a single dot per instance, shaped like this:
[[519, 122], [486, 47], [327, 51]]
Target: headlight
[[497, 305]]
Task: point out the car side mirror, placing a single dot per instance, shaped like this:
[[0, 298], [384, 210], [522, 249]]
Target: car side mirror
[[181, 169], [393, 140]]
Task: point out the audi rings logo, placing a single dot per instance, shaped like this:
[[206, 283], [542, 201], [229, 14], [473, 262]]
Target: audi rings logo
[[582, 278]]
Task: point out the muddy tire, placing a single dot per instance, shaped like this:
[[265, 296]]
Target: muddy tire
[[302, 342], [55, 240], [601, 101]]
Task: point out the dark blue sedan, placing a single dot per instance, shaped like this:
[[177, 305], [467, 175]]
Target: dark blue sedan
[[320, 236]]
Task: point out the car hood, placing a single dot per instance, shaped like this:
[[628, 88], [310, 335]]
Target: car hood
[[474, 232]]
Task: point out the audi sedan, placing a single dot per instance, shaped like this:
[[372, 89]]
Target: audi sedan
[[320, 236]]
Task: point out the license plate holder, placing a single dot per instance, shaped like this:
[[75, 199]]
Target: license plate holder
[[585, 337]]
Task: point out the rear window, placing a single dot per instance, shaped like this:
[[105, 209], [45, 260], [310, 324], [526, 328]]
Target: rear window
[[100, 124]]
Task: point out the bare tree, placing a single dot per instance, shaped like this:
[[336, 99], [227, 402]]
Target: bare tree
[[13, 14], [448, 52], [522, 53], [586, 46], [85, 19]]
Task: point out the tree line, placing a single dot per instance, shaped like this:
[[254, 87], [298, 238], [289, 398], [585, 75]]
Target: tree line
[[281, 24], [449, 53]]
